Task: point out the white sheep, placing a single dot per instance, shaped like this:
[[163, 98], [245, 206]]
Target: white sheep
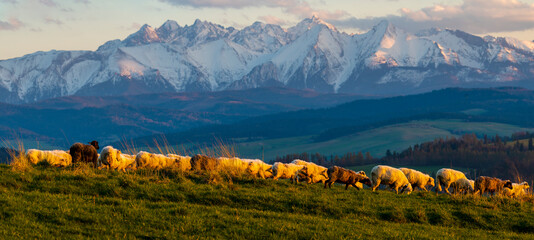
[[56, 158], [446, 176], [463, 185], [182, 163], [518, 190], [418, 179], [112, 158], [311, 172], [234, 166], [390, 176], [258, 168], [154, 161], [286, 171]]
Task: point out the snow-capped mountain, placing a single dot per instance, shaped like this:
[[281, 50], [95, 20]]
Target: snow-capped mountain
[[311, 55]]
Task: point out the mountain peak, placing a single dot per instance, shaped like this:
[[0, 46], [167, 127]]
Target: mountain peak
[[310, 23], [145, 35], [170, 25]]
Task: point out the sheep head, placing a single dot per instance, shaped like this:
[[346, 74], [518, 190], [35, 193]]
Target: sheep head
[[408, 188], [431, 182], [508, 184]]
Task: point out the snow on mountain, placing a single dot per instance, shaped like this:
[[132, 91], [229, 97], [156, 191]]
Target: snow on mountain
[[311, 55]]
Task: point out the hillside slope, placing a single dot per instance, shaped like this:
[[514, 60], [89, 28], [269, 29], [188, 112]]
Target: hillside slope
[[82, 203]]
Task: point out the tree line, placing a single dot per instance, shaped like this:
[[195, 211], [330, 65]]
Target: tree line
[[504, 157]]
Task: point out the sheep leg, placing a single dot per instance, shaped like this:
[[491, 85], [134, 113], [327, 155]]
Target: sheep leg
[[376, 184], [447, 188]]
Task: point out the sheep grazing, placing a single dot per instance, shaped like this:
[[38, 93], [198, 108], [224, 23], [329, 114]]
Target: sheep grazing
[[286, 171], [183, 163], [518, 190], [491, 185], [446, 177], [204, 163], [112, 158], [418, 179], [463, 185], [390, 176], [258, 168], [311, 172], [347, 177], [154, 161], [84, 153], [234, 166], [56, 158]]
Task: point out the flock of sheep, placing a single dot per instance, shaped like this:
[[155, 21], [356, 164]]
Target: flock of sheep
[[402, 179]]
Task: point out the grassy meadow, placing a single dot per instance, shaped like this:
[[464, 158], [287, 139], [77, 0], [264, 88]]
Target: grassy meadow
[[376, 141], [81, 202]]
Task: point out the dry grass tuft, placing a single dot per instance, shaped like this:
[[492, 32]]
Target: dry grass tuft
[[19, 162]]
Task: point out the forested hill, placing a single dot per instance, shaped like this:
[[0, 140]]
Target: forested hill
[[503, 105], [508, 158]]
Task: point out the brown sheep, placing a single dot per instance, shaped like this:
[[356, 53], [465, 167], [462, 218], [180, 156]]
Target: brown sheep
[[490, 184], [204, 163], [95, 144], [84, 153], [346, 176]]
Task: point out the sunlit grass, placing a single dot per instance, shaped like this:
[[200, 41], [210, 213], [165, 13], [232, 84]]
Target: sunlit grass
[[79, 201]]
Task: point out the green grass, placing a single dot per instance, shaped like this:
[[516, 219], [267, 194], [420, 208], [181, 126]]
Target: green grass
[[376, 141], [80, 202]]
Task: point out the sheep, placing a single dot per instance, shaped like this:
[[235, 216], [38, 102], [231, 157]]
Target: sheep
[[418, 179], [258, 168], [84, 153], [204, 163], [390, 176], [346, 176], [463, 185], [518, 190], [154, 161], [183, 163], [94, 144], [56, 158], [112, 158], [286, 171], [234, 166], [490, 184], [445, 177], [311, 172]]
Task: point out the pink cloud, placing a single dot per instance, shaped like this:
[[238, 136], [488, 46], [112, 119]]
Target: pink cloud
[[11, 24], [273, 20], [299, 8], [475, 16]]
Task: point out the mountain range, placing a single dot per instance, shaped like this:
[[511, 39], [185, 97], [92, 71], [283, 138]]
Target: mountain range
[[204, 57]]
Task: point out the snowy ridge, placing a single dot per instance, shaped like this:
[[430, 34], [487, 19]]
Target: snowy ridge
[[311, 55]]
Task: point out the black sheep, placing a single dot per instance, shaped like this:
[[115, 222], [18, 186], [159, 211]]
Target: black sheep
[[84, 153]]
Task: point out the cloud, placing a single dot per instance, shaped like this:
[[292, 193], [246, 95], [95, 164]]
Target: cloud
[[8, 1], [49, 3], [299, 8], [273, 20], [53, 21], [475, 16], [11, 24]]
